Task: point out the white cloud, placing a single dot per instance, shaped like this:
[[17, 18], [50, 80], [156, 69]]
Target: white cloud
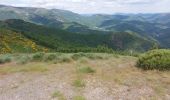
[[97, 6]]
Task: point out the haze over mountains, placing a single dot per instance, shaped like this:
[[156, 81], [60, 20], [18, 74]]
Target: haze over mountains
[[58, 29]]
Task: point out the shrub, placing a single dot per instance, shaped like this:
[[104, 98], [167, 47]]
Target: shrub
[[63, 59], [5, 59], [50, 57], [87, 55], [95, 56], [155, 59], [24, 59], [77, 56], [38, 56], [86, 70]]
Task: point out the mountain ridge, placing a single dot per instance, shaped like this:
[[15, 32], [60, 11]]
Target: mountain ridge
[[61, 39], [147, 26]]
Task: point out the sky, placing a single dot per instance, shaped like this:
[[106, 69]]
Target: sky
[[97, 6]]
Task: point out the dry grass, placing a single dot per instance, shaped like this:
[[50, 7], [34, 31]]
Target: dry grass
[[58, 95], [31, 67], [114, 77]]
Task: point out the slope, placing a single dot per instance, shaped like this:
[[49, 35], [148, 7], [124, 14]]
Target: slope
[[11, 42], [157, 31]]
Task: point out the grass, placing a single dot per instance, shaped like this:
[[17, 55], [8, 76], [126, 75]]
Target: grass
[[58, 95], [23, 59], [91, 56], [38, 56], [79, 83], [113, 73], [5, 59], [86, 69], [31, 67], [79, 98], [51, 57], [83, 60]]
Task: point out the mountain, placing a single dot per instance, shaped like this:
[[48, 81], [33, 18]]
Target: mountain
[[154, 27], [55, 18], [60, 40]]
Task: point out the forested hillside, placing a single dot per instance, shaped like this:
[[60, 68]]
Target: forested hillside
[[61, 40]]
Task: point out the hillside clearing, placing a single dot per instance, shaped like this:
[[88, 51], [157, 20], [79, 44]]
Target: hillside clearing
[[99, 79]]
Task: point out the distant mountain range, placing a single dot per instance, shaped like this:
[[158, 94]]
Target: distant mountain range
[[65, 29]]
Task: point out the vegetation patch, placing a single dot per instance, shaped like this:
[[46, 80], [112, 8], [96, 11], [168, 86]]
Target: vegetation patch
[[50, 57], [26, 68], [5, 59], [83, 60], [58, 95], [155, 59], [79, 83], [77, 56], [24, 59], [38, 56], [79, 98], [86, 69]]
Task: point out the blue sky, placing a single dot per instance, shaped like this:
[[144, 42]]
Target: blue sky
[[97, 6]]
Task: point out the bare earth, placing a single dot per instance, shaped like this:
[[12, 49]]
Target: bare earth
[[114, 79]]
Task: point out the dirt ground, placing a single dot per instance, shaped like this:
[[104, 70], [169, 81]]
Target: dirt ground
[[114, 79]]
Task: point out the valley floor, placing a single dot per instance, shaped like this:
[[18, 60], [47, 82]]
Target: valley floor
[[115, 78]]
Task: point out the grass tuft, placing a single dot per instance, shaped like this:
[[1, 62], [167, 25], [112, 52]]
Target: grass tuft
[[79, 98], [58, 95], [79, 83], [86, 69]]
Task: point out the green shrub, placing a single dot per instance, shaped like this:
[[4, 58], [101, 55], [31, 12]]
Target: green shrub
[[50, 57], [77, 56], [155, 59], [87, 55], [95, 56], [63, 59], [38, 56], [24, 59], [86, 70], [5, 59]]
